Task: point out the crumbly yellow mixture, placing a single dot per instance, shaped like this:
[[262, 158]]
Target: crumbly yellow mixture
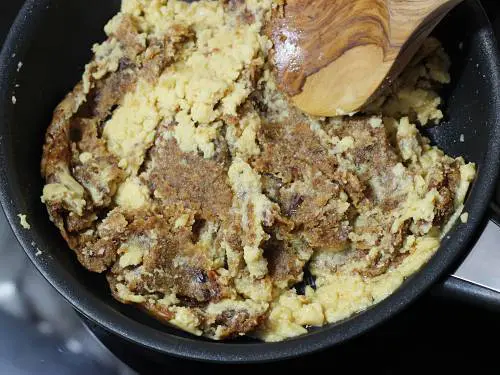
[[179, 169], [23, 220]]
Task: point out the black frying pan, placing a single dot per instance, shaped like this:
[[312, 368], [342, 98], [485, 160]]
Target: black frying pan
[[52, 39]]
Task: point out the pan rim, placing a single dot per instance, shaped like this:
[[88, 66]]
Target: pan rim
[[102, 314]]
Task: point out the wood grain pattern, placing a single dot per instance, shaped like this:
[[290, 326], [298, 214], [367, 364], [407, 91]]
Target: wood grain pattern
[[332, 56]]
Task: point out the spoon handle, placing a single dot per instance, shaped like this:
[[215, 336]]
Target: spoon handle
[[409, 17], [411, 23]]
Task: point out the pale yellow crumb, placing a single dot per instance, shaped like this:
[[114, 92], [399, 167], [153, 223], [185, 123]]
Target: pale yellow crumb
[[23, 220], [464, 218]]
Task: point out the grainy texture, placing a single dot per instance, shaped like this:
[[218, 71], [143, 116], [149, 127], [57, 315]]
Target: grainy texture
[[179, 169]]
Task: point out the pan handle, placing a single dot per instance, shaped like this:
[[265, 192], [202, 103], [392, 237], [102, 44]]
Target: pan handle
[[477, 279]]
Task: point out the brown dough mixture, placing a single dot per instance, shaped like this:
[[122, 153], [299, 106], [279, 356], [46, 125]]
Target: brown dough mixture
[[177, 168]]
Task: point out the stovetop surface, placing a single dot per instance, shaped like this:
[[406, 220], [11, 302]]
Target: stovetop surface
[[41, 334]]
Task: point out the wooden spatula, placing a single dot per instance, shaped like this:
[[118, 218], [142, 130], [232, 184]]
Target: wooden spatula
[[333, 56]]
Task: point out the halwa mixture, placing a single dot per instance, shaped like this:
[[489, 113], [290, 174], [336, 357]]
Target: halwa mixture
[[178, 168]]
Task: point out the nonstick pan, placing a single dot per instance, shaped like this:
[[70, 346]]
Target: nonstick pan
[[43, 58]]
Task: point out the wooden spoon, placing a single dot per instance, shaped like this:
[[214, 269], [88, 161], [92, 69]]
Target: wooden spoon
[[333, 56]]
